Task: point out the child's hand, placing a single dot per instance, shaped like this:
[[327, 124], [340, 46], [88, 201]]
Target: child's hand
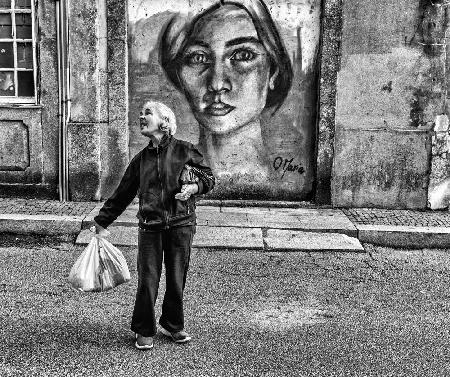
[[187, 191]]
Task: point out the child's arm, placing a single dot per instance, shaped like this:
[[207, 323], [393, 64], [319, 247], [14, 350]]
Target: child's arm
[[121, 198]]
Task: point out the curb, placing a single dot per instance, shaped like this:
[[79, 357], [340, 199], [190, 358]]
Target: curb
[[69, 227], [62, 227], [405, 236]]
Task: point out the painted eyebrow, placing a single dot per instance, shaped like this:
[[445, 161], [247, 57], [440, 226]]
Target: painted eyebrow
[[240, 40], [198, 43]]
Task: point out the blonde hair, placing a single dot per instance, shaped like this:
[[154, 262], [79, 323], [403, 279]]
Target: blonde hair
[[167, 117]]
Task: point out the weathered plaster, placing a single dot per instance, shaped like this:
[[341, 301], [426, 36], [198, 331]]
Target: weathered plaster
[[436, 42], [381, 168], [115, 152], [329, 67], [87, 49], [391, 78], [84, 160], [29, 119], [48, 93]]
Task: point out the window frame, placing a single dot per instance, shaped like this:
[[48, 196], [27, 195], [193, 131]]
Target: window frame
[[5, 100]]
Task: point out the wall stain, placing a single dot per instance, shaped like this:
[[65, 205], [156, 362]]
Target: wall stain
[[419, 102], [431, 25], [387, 87]]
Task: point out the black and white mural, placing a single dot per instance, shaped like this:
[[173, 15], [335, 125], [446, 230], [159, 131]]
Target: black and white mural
[[241, 77]]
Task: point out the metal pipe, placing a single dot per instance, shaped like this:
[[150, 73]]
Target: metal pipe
[[63, 107], [60, 133]]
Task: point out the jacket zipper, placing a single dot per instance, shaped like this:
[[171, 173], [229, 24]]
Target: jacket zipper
[[166, 217]]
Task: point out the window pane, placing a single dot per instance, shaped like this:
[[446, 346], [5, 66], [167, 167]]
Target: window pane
[[25, 55], [6, 55], [23, 4], [25, 83], [23, 26], [5, 4], [7, 84], [5, 26]]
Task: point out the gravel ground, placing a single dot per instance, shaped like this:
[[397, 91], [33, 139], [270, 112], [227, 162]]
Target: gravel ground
[[382, 313]]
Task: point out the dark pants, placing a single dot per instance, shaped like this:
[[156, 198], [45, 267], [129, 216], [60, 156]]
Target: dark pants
[[175, 245]]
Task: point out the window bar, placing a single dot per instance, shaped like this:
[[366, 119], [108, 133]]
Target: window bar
[[33, 46], [13, 18]]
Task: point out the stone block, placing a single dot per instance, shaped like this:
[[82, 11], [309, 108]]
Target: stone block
[[405, 236], [46, 225], [113, 156], [205, 237], [14, 141], [84, 145], [307, 219], [88, 48], [49, 100], [329, 66], [119, 236], [290, 240], [228, 238], [381, 168], [21, 145], [117, 20]]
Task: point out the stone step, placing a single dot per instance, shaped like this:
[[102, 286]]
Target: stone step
[[245, 238], [303, 219]]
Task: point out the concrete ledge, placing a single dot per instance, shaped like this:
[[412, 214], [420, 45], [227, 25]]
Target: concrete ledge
[[119, 236], [228, 237], [405, 236], [257, 203], [205, 237], [288, 240], [46, 225]]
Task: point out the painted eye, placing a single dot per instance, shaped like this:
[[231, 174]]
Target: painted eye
[[243, 55], [197, 57]]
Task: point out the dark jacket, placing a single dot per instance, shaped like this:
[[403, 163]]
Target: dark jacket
[[154, 173]]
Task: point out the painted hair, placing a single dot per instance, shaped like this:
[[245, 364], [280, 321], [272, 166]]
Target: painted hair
[[167, 117], [176, 35]]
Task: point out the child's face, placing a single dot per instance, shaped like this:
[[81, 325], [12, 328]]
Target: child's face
[[149, 121]]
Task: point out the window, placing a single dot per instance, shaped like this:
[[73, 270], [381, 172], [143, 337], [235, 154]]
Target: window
[[17, 52]]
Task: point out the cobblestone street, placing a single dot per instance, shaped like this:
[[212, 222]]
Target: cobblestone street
[[378, 216], [45, 207]]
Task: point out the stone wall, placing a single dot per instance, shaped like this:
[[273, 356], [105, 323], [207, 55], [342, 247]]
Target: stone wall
[[98, 132], [390, 90]]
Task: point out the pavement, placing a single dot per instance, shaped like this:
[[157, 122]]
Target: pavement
[[254, 225], [384, 312]]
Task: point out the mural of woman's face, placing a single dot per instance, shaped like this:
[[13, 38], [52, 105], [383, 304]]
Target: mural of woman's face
[[226, 70]]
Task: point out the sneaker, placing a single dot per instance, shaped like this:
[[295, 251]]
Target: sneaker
[[178, 337], [143, 342]]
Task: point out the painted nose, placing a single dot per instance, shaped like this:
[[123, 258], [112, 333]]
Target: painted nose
[[218, 80]]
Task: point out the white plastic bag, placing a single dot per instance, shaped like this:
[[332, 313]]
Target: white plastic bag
[[100, 267]]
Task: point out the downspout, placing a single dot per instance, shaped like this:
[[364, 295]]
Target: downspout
[[62, 30]]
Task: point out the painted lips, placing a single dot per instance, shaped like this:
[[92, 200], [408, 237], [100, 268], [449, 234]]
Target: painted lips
[[219, 109]]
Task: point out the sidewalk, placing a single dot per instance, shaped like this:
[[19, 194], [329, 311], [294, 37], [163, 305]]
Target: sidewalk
[[275, 226]]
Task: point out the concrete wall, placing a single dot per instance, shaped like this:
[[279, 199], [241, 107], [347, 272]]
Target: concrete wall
[[392, 79]]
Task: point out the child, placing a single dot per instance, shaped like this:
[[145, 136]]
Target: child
[[166, 220]]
